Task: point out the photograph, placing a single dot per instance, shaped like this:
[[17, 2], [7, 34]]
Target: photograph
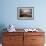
[[25, 13]]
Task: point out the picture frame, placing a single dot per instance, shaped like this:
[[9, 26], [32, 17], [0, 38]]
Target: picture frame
[[25, 13]]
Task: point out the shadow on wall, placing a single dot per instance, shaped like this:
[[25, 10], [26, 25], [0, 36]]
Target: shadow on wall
[[2, 26]]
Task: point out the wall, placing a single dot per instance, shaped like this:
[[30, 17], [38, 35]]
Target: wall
[[8, 13]]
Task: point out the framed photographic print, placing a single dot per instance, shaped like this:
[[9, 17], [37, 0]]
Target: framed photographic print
[[25, 13]]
